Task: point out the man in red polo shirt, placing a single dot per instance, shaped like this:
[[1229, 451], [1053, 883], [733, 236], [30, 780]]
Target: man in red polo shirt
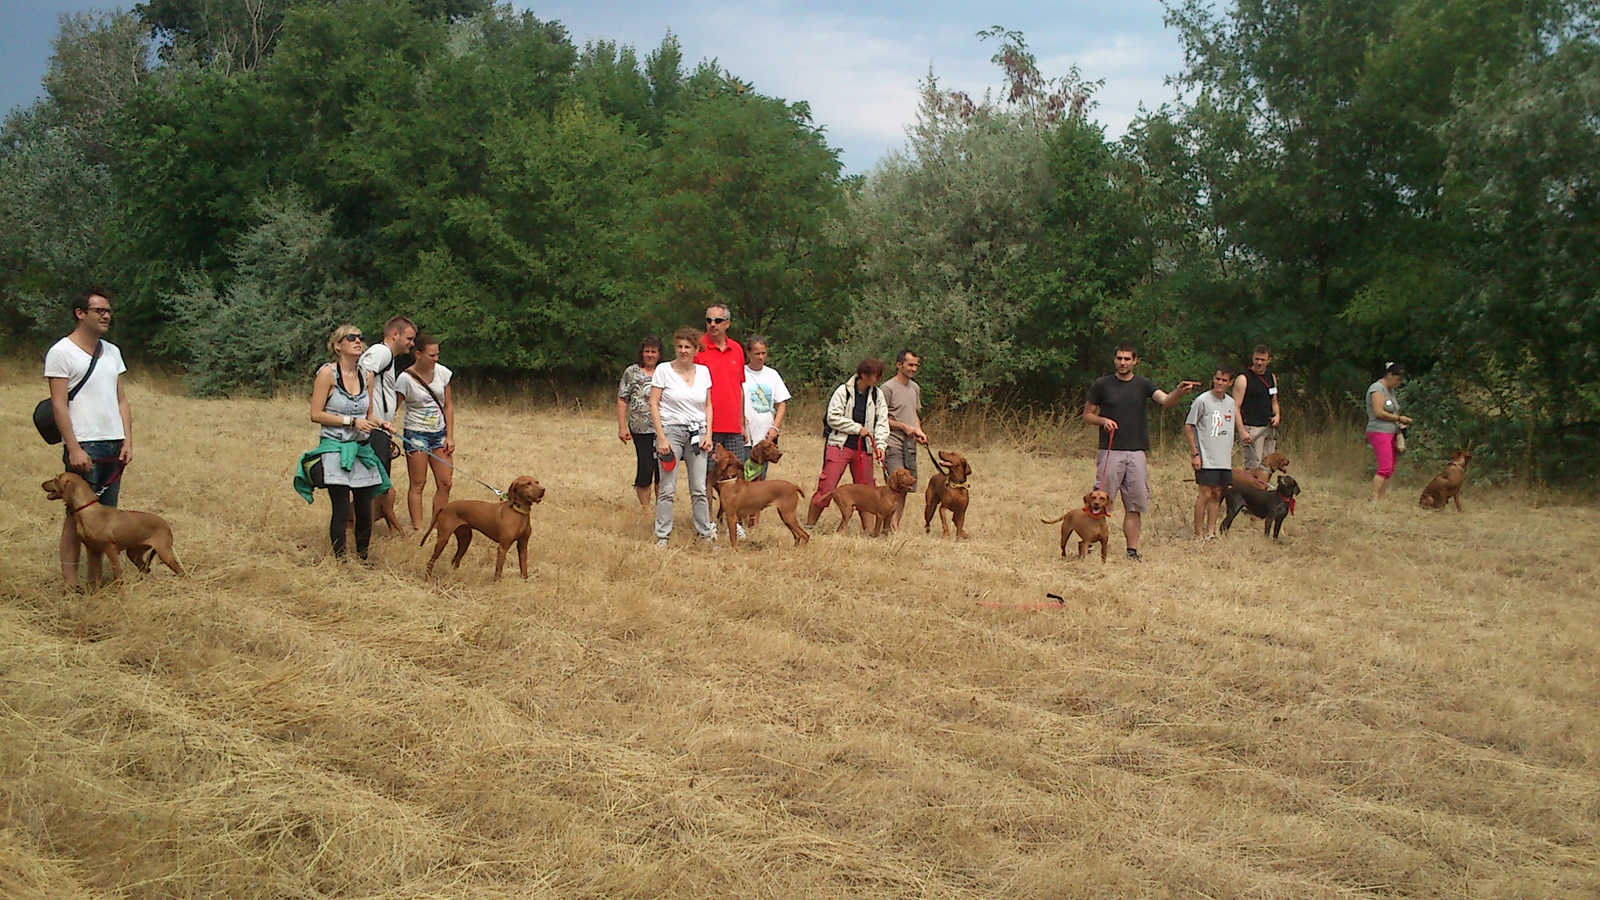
[[725, 358]]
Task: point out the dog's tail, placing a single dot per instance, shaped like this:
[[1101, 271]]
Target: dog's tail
[[429, 530], [1055, 520]]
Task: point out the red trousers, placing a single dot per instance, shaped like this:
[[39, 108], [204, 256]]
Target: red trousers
[[834, 462]]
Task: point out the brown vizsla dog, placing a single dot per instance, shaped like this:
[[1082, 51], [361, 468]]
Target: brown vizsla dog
[[740, 498], [1274, 462], [1446, 485], [948, 494], [765, 452], [883, 504], [104, 529], [1089, 523], [504, 523]]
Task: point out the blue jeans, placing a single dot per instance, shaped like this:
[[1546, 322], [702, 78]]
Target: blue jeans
[[691, 459], [103, 455]]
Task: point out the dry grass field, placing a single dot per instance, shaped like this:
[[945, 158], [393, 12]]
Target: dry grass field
[[1389, 702]]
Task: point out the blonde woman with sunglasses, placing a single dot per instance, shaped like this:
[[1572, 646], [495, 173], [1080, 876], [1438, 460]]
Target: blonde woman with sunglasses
[[342, 403]]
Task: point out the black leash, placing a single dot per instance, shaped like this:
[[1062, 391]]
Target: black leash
[[936, 464]]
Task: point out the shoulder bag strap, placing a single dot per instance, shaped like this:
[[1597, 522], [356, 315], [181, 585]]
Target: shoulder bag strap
[[425, 386], [93, 361]]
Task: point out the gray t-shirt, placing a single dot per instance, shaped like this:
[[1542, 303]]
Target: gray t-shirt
[[1390, 405], [1213, 420], [904, 402]]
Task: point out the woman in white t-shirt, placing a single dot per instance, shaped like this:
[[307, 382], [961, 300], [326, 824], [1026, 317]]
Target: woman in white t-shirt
[[680, 411], [430, 425]]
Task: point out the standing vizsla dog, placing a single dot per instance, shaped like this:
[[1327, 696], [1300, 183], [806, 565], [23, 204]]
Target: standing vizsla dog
[[1446, 485], [740, 497], [948, 495], [883, 504], [1088, 523], [504, 523], [104, 529], [765, 452]]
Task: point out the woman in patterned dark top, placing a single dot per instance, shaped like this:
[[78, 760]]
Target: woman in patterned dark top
[[633, 420]]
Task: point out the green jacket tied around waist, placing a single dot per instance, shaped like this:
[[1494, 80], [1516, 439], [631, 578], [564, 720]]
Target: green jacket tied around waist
[[349, 452]]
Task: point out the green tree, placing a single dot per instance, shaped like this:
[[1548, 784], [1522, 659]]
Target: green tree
[[745, 191]]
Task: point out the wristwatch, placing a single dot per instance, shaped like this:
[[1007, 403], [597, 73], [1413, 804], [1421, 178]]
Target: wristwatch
[[349, 420]]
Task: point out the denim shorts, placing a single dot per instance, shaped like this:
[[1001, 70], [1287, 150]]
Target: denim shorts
[[100, 472], [424, 440]]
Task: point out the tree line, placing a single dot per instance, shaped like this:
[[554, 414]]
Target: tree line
[[1348, 181]]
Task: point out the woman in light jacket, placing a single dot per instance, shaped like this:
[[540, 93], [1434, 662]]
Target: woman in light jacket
[[857, 428]]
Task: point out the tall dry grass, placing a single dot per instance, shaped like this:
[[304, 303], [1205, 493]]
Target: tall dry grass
[[1389, 702]]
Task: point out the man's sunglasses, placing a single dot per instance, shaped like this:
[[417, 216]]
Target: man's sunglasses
[[352, 338], [714, 321]]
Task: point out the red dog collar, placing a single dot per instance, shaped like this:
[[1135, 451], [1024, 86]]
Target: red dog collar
[[86, 506], [1291, 505]]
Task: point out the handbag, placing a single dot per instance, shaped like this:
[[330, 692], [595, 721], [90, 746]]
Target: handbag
[[44, 415], [1400, 441]]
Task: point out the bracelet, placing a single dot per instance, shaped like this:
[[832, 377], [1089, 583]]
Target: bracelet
[[349, 421]]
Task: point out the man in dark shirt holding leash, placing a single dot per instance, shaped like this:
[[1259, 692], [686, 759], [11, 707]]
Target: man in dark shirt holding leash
[[1255, 393], [1117, 407]]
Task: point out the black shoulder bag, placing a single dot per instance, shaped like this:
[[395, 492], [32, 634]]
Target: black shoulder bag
[[44, 415]]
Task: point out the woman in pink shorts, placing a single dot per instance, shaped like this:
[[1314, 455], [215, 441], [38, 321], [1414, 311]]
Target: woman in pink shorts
[[1384, 422]]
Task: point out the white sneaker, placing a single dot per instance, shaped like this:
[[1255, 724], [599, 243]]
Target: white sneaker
[[662, 542], [739, 530]]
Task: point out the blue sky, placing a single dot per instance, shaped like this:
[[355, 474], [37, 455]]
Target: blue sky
[[857, 64]]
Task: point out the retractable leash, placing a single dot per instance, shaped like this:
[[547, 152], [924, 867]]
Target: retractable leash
[[453, 467]]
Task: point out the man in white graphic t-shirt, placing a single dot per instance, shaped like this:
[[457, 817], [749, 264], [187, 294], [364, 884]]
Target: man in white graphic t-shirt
[[1212, 422], [96, 424], [766, 397]]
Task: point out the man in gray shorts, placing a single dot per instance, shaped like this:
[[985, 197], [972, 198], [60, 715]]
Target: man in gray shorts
[[1117, 407]]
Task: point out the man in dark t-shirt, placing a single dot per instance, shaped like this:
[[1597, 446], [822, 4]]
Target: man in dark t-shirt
[[1117, 406], [1255, 392]]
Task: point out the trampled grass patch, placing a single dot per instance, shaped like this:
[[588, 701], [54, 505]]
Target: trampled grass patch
[[1388, 702]]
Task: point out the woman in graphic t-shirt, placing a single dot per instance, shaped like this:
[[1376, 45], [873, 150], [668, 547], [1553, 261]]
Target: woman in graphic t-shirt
[[680, 412], [633, 419], [1383, 423], [430, 427]]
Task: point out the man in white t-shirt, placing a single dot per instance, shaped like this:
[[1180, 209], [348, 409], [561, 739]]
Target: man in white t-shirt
[[96, 424], [384, 362], [766, 397], [1212, 422]]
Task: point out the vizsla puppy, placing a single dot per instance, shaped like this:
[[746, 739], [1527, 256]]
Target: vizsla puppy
[[884, 504], [740, 497], [504, 523], [104, 529], [1446, 485], [948, 495], [1089, 523]]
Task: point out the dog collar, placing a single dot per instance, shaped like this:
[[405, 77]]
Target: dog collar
[[726, 480], [86, 506], [956, 484], [1291, 505], [752, 470], [1097, 515], [519, 509]]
